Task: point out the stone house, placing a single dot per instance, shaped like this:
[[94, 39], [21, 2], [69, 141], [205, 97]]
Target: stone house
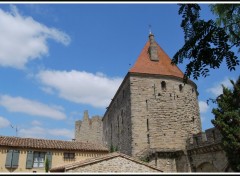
[[29, 154], [113, 162]]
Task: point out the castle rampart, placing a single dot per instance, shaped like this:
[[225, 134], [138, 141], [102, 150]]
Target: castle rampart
[[89, 130]]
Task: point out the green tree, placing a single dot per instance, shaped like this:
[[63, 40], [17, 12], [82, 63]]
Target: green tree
[[208, 43], [228, 17], [46, 165], [227, 121]]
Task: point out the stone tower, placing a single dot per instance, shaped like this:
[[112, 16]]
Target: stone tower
[[89, 130], [153, 113]]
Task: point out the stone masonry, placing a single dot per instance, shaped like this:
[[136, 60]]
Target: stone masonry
[[205, 152], [89, 130], [115, 164]]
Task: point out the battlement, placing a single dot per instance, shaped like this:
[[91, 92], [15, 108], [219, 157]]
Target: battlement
[[89, 129], [211, 136], [96, 118]]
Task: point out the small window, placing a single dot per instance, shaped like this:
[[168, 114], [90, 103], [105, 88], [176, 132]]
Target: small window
[[192, 90], [148, 140], [69, 155], [180, 87], [122, 116], [163, 85], [193, 118], [147, 125], [38, 159], [118, 122]]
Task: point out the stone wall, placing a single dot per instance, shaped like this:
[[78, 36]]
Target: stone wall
[[89, 130], [208, 159], [162, 117], [205, 152], [117, 120], [155, 116], [164, 114], [117, 164]]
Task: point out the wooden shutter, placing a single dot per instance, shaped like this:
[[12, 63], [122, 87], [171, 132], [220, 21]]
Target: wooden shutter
[[49, 156], [29, 162], [8, 163], [15, 158]]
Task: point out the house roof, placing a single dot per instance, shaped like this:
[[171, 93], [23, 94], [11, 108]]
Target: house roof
[[7, 141], [91, 161], [161, 66]]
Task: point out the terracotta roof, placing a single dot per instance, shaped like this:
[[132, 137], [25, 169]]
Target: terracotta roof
[[91, 161], [162, 67], [7, 141]]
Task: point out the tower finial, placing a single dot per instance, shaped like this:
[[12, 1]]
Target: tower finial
[[149, 26]]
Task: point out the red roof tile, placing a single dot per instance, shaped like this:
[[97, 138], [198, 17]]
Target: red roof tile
[[162, 67], [7, 141]]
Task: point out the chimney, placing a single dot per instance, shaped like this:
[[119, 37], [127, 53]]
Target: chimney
[[152, 50]]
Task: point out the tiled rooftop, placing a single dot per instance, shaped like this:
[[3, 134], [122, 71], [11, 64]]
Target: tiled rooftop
[[99, 159], [162, 67], [7, 141]]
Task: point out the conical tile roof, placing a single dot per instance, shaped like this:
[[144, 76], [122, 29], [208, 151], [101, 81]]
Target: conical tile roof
[[147, 62]]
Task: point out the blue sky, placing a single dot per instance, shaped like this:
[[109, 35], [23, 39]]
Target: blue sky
[[58, 60]]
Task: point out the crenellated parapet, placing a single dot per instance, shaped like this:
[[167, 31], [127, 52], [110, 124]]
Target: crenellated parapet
[[209, 140], [89, 129]]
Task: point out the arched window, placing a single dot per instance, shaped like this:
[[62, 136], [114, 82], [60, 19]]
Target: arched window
[[180, 87], [163, 85]]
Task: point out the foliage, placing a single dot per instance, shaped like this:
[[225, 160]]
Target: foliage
[[46, 165], [145, 159], [207, 44], [227, 121], [113, 149], [229, 19]]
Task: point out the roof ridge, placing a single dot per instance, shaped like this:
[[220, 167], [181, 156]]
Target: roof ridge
[[99, 159], [50, 144]]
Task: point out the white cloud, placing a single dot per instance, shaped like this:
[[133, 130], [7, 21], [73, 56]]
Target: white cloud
[[203, 118], [39, 132], [36, 123], [203, 106], [81, 87], [19, 104], [62, 132], [217, 88], [24, 39], [48, 90], [4, 122]]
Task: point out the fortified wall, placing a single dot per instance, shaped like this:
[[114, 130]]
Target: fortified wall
[[205, 152], [89, 130]]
